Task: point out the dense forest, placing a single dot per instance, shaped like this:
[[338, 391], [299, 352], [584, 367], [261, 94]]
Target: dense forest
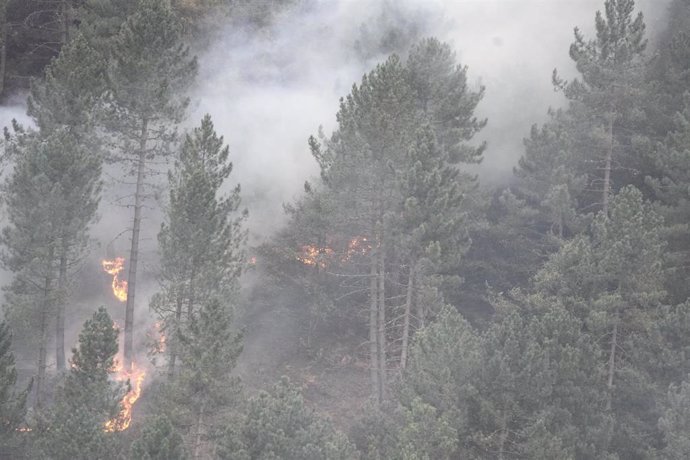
[[402, 310]]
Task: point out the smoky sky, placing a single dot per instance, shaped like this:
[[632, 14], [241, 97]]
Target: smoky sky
[[269, 89]]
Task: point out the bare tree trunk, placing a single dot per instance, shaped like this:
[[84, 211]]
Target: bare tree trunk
[[199, 431], [607, 169], [612, 359], [65, 20], [406, 319], [373, 341], [173, 341], [382, 323], [60, 311], [503, 438], [190, 304], [134, 252], [43, 333]]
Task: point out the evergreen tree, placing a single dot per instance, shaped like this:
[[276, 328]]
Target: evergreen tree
[[62, 107], [675, 423], [51, 198], [432, 224], [74, 428], [606, 97], [204, 389], [149, 73], [672, 158], [202, 240], [12, 403], [383, 177], [279, 425], [158, 441], [613, 281]]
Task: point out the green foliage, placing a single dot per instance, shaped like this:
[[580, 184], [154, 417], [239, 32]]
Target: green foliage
[[68, 93], [675, 423], [158, 441], [150, 69], [201, 241], [278, 425], [74, 427], [12, 403]]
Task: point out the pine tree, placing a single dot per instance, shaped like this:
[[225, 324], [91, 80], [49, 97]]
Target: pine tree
[[74, 427], [12, 403], [201, 241], [279, 425], [607, 96], [158, 441], [672, 159], [675, 423], [62, 105], [51, 198], [613, 282], [149, 73], [69, 93], [432, 225], [446, 102], [380, 169], [204, 388], [358, 166]]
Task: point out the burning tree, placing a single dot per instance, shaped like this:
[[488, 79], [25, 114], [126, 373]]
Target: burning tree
[[391, 174], [150, 71], [86, 399]]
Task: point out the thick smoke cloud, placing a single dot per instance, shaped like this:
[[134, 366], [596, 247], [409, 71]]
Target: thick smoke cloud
[[269, 90]]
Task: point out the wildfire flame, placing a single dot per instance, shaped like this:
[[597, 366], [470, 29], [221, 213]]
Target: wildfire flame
[[136, 378], [114, 267], [313, 255]]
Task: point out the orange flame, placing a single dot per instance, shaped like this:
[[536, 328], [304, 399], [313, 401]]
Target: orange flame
[[316, 256], [313, 255], [114, 267], [136, 378]]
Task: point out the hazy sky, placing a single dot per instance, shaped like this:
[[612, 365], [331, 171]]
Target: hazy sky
[[269, 91]]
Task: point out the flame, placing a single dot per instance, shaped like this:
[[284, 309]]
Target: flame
[[136, 378], [314, 256], [357, 245], [317, 256], [114, 267]]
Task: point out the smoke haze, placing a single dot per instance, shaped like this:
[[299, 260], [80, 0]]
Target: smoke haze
[[268, 90]]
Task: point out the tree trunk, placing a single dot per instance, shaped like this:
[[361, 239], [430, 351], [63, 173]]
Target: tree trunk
[[134, 252], [373, 341], [612, 359], [173, 339], [190, 299], [199, 431], [43, 333], [406, 319], [503, 437], [382, 323], [65, 21], [60, 312], [607, 169]]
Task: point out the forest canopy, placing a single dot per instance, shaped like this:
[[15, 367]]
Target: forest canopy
[[402, 307]]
